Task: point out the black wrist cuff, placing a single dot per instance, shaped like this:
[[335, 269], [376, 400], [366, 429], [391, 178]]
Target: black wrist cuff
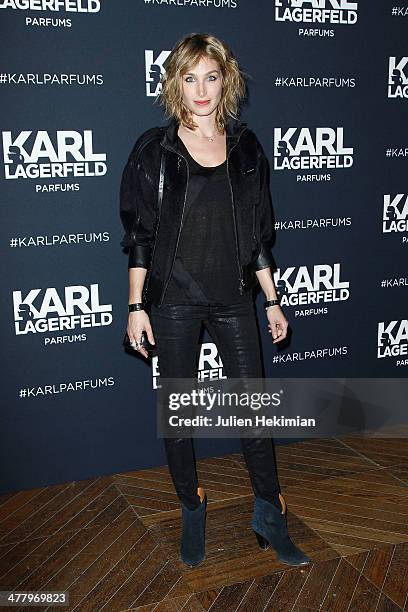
[[136, 306], [271, 303]]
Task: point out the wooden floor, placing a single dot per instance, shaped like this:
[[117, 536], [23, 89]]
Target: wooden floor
[[112, 542]]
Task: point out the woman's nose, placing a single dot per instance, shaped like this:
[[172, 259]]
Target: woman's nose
[[201, 89]]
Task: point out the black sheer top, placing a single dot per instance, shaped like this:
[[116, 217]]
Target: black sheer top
[[206, 270]]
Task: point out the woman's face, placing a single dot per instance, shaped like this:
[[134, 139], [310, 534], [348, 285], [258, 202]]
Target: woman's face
[[203, 83]]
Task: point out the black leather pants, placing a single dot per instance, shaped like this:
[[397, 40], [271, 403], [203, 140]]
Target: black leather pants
[[176, 328]]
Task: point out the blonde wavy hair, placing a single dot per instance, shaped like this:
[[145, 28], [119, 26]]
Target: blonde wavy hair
[[183, 57]]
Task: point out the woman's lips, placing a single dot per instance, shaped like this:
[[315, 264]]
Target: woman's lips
[[201, 102]]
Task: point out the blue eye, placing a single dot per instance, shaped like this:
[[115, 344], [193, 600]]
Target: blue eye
[[212, 76]]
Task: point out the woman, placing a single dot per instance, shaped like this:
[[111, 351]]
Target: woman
[[197, 247]]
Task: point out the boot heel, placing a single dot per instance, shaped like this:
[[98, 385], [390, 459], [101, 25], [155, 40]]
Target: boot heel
[[264, 544], [269, 520]]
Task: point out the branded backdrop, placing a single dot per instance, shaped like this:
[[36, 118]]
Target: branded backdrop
[[328, 99]]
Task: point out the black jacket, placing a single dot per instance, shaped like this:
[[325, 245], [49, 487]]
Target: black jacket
[[151, 240]]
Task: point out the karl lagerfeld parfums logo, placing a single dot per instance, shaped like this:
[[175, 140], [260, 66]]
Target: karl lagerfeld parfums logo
[[306, 149], [154, 68], [393, 340], [43, 155], [397, 79], [70, 6], [306, 286], [210, 365], [395, 213], [319, 12], [49, 310]]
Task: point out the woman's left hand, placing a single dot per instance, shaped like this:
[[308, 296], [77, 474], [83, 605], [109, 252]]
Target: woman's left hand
[[278, 324]]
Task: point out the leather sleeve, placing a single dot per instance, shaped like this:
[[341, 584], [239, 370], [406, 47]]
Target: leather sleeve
[[265, 258], [138, 201]]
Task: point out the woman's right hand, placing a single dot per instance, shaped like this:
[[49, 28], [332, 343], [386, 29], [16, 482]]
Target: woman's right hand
[[139, 322]]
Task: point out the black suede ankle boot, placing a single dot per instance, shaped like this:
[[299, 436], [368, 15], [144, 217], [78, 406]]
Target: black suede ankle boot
[[192, 545], [270, 527]]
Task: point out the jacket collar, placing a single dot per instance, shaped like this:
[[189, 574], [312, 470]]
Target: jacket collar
[[233, 128]]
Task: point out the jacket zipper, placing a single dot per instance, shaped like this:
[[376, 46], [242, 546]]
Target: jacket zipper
[[147, 279], [146, 282], [254, 223], [134, 232], [240, 275], [179, 230]]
